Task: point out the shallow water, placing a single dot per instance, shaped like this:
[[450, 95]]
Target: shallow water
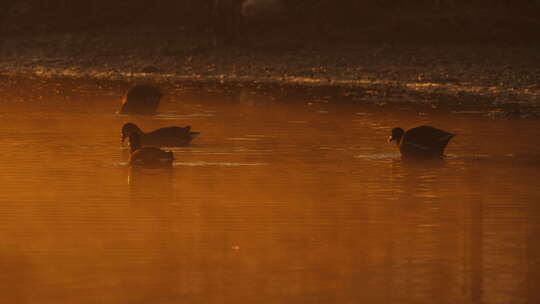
[[277, 201]]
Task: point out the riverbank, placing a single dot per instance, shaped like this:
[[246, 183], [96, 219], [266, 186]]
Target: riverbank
[[467, 77]]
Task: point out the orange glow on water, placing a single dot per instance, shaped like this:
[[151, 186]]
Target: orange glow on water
[[276, 201]]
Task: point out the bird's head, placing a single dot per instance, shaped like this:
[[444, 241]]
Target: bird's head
[[397, 134], [129, 128]]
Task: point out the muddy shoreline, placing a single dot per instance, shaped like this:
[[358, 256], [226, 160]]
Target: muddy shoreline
[[497, 78]]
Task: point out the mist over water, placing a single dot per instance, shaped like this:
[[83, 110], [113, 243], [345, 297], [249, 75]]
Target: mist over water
[[277, 201]]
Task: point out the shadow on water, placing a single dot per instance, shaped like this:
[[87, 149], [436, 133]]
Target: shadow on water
[[287, 196]]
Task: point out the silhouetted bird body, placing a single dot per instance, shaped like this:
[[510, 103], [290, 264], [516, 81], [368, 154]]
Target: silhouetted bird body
[[148, 156], [163, 137], [141, 99], [421, 142]]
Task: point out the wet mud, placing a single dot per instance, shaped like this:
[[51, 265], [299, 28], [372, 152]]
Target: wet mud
[[500, 81]]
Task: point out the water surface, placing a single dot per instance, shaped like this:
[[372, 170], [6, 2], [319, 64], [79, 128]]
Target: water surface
[[278, 201]]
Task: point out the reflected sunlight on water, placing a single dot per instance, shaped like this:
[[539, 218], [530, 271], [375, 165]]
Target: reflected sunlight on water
[[274, 202]]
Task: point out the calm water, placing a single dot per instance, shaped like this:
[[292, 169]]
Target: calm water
[[276, 202]]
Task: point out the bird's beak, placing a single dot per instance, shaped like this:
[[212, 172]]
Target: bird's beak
[[391, 139], [123, 140]]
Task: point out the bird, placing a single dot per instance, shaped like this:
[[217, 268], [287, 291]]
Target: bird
[[148, 156], [421, 141], [164, 137], [141, 99]]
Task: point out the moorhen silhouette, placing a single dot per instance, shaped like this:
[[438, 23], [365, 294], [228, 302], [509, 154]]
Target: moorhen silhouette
[[141, 99], [421, 142], [148, 156]]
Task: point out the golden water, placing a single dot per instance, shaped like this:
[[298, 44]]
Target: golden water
[[275, 202]]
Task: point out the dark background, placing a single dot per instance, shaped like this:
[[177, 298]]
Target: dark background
[[323, 20]]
